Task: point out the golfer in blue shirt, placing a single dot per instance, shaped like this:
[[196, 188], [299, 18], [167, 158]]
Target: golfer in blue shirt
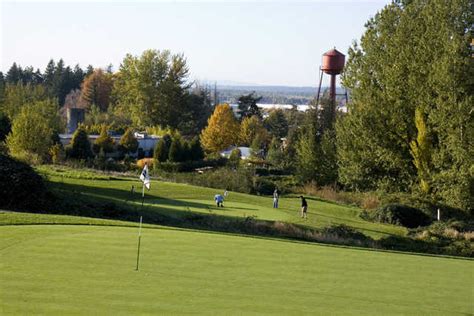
[[219, 200]]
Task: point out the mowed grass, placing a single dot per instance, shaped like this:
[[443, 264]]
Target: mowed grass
[[176, 200], [90, 270]]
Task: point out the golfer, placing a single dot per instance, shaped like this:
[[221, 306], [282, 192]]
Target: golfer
[[275, 198], [304, 207], [219, 200]]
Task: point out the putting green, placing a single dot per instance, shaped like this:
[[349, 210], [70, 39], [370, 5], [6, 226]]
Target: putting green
[[61, 269]]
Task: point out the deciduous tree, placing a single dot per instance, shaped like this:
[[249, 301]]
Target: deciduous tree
[[31, 141], [151, 88], [222, 130], [251, 127], [414, 56]]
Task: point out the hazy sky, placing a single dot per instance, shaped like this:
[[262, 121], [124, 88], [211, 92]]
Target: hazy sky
[[265, 42]]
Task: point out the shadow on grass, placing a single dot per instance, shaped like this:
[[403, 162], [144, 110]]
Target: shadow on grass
[[356, 223]]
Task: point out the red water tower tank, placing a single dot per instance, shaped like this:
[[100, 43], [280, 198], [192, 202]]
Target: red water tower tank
[[333, 62]]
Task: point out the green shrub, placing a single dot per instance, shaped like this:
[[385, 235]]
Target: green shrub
[[397, 214], [239, 180], [263, 186], [21, 188], [57, 153], [5, 126], [344, 231]]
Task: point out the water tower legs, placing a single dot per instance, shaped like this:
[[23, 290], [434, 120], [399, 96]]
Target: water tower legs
[[332, 91]]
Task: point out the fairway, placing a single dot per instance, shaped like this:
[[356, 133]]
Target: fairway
[[177, 200], [63, 269]]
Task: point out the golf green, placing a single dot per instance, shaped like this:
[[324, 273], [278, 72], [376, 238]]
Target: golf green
[[90, 270]]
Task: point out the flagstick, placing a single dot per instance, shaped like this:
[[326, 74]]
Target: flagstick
[[143, 194], [139, 238]]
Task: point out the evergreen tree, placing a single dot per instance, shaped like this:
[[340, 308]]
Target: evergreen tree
[[196, 152], [176, 151], [104, 142], [78, 76], [38, 77], [197, 109], [421, 151], [275, 155], [27, 75], [89, 70], [308, 151], [248, 105], [80, 147], [14, 74], [161, 151], [277, 124], [128, 143], [49, 73]]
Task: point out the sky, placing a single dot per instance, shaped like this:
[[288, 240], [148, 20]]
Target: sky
[[246, 42]]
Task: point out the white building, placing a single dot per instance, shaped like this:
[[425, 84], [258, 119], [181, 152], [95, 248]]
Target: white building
[[244, 152], [146, 143]]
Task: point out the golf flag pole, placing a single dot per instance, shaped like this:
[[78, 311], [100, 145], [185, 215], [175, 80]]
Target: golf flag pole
[[139, 238], [143, 194]]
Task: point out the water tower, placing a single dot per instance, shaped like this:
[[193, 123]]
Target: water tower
[[333, 64]]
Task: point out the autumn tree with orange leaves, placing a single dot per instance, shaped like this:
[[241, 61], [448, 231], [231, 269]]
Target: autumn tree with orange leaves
[[96, 89]]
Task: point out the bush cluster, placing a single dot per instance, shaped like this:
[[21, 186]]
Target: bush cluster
[[397, 214], [176, 149], [21, 188]]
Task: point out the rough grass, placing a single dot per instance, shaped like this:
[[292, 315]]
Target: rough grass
[[90, 270]]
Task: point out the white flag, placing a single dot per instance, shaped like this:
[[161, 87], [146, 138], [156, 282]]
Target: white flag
[[145, 177]]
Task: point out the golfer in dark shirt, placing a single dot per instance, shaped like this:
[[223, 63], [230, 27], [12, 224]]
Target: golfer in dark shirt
[[304, 207]]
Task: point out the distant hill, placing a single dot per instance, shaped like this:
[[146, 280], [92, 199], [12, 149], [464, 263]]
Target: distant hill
[[270, 94]]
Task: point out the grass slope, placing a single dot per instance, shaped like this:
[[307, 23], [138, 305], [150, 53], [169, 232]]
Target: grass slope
[[176, 200], [58, 270]]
